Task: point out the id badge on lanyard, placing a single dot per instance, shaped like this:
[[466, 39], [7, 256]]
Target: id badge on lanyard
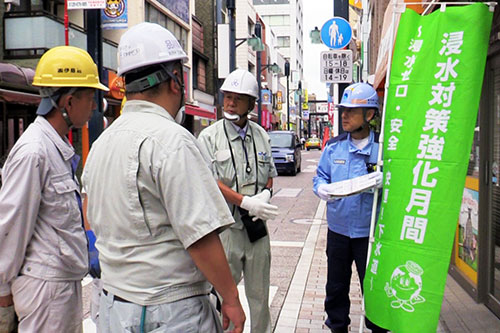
[[249, 185]]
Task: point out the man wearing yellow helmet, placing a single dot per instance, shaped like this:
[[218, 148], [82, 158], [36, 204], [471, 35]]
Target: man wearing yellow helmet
[[43, 248]]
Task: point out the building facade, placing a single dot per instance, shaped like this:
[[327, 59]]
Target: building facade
[[285, 18]]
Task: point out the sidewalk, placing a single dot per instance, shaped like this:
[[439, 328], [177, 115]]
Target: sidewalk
[[303, 310]]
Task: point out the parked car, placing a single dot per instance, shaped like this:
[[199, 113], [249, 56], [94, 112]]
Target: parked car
[[285, 146], [313, 143]]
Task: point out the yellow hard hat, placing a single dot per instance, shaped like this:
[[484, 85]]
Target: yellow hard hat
[[67, 66]]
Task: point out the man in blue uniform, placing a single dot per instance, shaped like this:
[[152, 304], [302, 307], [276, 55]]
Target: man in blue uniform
[[347, 156]]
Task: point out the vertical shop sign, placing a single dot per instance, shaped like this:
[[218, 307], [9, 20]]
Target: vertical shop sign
[[433, 98], [279, 100]]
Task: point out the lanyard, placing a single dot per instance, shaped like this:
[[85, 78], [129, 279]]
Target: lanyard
[[248, 169]]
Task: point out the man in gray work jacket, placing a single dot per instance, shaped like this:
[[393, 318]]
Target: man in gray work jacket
[[43, 247], [241, 155]]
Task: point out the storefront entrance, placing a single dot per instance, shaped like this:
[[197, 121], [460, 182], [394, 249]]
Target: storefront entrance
[[493, 185]]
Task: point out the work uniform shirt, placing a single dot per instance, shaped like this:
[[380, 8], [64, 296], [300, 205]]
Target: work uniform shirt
[[259, 160], [151, 195], [41, 230], [342, 160]]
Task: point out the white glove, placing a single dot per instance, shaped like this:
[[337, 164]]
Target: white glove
[[324, 191], [259, 209], [263, 196], [379, 178]]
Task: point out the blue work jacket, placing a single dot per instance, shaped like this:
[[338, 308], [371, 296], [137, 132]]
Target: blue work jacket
[[341, 160]]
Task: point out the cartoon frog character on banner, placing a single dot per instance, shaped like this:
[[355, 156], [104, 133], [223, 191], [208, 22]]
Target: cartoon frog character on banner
[[405, 286]]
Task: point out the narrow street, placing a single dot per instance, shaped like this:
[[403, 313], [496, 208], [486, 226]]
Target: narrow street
[[298, 268]]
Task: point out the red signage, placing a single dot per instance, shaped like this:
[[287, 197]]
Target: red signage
[[331, 108]]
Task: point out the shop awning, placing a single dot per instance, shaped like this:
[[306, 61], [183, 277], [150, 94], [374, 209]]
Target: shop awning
[[17, 97], [200, 112]]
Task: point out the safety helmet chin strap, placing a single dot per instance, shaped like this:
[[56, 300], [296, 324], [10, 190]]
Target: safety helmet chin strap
[[55, 98], [365, 121], [161, 75]]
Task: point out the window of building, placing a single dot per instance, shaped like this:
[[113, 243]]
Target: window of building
[[155, 16], [277, 20], [284, 41], [37, 5]]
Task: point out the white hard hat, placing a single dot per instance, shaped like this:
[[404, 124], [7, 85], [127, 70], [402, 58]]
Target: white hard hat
[[147, 44], [241, 81]]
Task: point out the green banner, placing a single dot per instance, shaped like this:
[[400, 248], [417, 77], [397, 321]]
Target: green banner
[[432, 102]]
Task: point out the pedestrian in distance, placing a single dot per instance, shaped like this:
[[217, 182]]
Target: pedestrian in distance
[[154, 205], [43, 247], [347, 156], [240, 151]]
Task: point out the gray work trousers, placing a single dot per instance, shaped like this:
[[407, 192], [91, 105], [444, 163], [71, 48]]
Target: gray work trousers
[[48, 306], [193, 314], [251, 261]]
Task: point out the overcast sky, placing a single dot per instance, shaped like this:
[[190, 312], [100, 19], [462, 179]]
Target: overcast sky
[[316, 13]]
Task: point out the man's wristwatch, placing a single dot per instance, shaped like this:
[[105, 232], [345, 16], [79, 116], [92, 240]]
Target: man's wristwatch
[[270, 190]]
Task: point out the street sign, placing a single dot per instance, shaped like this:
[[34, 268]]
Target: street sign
[[336, 66], [336, 33]]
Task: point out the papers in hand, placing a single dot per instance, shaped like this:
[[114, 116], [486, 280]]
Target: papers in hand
[[353, 186]]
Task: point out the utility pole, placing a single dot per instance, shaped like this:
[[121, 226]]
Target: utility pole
[[301, 132], [258, 33], [231, 10], [340, 9], [94, 46], [287, 74]]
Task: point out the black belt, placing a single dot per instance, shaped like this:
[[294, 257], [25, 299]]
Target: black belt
[[116, 298]]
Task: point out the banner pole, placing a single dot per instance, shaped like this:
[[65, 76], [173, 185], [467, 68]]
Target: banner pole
[[371, 238]]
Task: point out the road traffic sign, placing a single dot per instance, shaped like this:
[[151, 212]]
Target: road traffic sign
[[336, 66], [336, 33]]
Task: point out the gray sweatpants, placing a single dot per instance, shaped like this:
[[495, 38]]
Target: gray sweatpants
[[48, 306]]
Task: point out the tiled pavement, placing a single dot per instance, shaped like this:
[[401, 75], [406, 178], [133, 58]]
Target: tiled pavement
[[459, 313]]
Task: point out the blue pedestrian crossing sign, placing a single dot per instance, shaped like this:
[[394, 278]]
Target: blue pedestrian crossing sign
[[336, 33]]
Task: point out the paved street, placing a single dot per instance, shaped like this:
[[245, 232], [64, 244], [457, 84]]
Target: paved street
[[298, 268]]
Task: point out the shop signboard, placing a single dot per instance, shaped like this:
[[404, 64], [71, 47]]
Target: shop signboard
[[115, 15], [86, 4]]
